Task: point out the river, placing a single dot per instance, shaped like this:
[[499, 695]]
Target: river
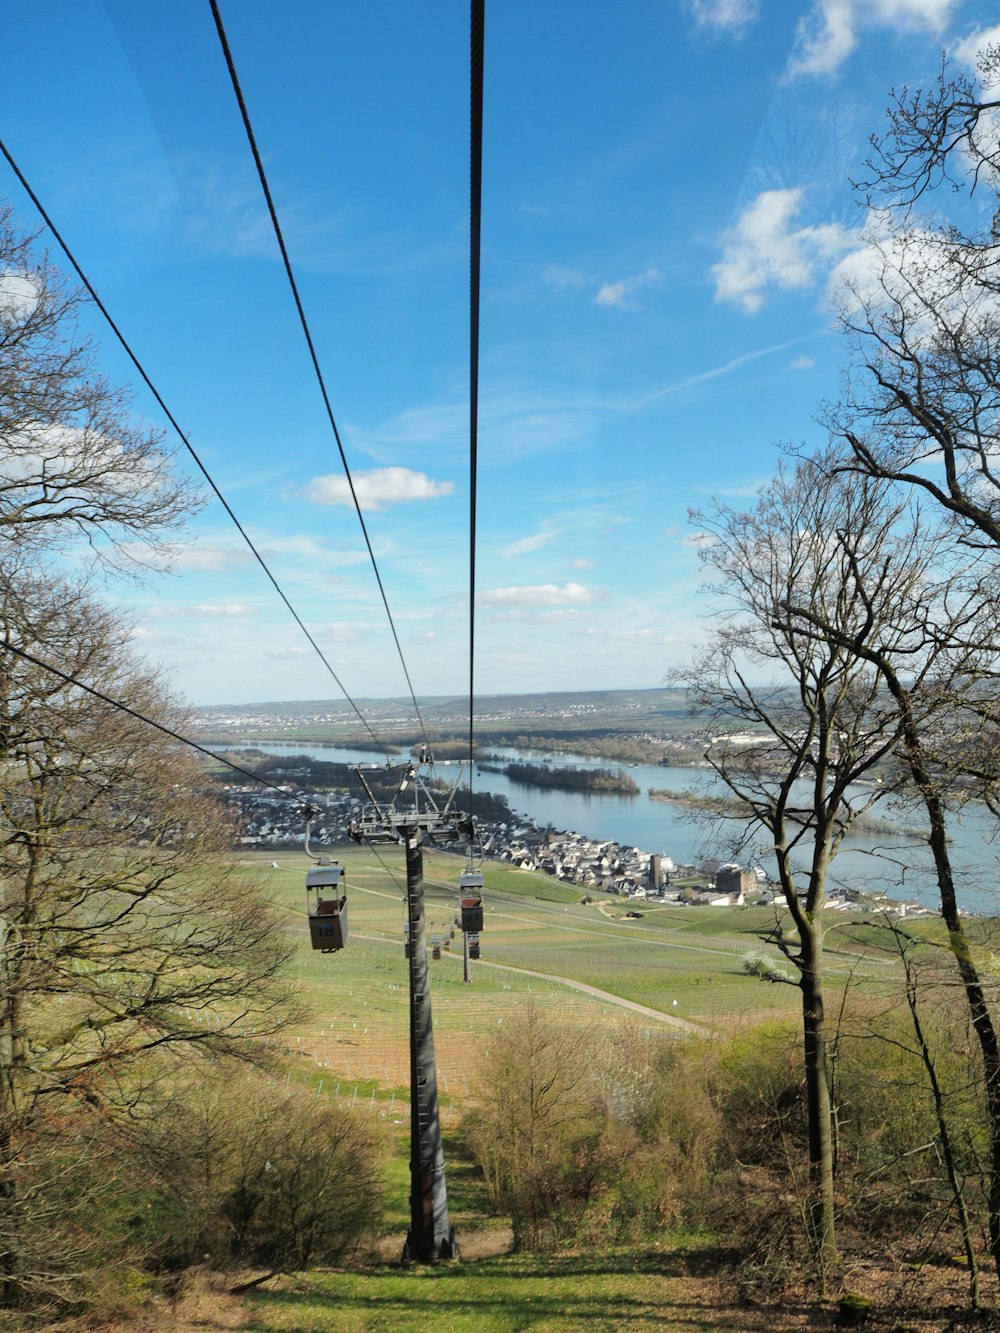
[[894, 863]]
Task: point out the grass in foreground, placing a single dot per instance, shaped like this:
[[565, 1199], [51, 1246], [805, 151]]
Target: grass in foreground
[[603, 1292]]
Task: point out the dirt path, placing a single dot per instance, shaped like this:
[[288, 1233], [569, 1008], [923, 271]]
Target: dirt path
[[631, 1005], [636, 1008]]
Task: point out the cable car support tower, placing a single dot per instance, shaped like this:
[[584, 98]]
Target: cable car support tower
[[431, 1236]]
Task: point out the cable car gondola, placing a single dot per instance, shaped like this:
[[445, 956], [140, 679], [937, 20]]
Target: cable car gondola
[[325, 904], [470, 888], [327, 907]]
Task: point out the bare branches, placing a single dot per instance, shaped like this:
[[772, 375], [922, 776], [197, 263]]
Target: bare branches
[[73, 464], [127, 941], [942, 135]]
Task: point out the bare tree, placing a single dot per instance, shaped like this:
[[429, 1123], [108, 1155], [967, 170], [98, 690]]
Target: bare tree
[[921, 403], [127, 940], [74, 466], [936, 664], [538, 1120], [799, 717], [921, 409]]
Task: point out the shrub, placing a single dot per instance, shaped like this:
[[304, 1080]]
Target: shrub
[[257, 1173]]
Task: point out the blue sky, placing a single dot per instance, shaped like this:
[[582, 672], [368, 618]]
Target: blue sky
[[666, 212]]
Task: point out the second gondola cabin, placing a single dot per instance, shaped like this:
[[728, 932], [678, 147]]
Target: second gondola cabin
[[327, 907]]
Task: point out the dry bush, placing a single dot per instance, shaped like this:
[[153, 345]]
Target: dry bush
[[253, 1172]]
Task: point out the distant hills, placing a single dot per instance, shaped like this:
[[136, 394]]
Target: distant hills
[[579, 711]]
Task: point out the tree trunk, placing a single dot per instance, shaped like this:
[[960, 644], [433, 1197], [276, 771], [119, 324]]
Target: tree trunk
[[958, 942], [822, 1225]]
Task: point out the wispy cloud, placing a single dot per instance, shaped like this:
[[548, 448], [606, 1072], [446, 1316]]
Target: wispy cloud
[[515, 424], [730, 17], [200, 610], [377, 488], [221, 212], [213, 609], [195, 556], [715, 372], [738, 491], [525, 545], [801, 363], [622, 294], [561, 278], [619, 635]]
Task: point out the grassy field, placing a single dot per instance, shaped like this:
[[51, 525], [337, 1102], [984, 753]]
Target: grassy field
[[540, 943]]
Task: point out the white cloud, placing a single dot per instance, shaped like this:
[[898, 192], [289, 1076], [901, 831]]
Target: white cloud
[[200, 611], [193, 556], [621, 294], [19, 293], [823, 39], [919, 277], [300, 544], [724, 16], [699, 540], [229, 609], [801, 363], [377, 487], [765, 250], [969, 49], [84, 463], [582, 563], [341, 631], [619, 635], [828, 34], [541, 594]]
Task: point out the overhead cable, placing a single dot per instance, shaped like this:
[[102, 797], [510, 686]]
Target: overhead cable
[[251, 138], [475, 218], [150, 722], [182, 436]]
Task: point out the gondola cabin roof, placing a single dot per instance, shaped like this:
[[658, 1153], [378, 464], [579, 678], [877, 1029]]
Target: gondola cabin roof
[[324, 877]]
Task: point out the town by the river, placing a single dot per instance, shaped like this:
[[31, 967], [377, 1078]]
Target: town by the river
[[891, 862]]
